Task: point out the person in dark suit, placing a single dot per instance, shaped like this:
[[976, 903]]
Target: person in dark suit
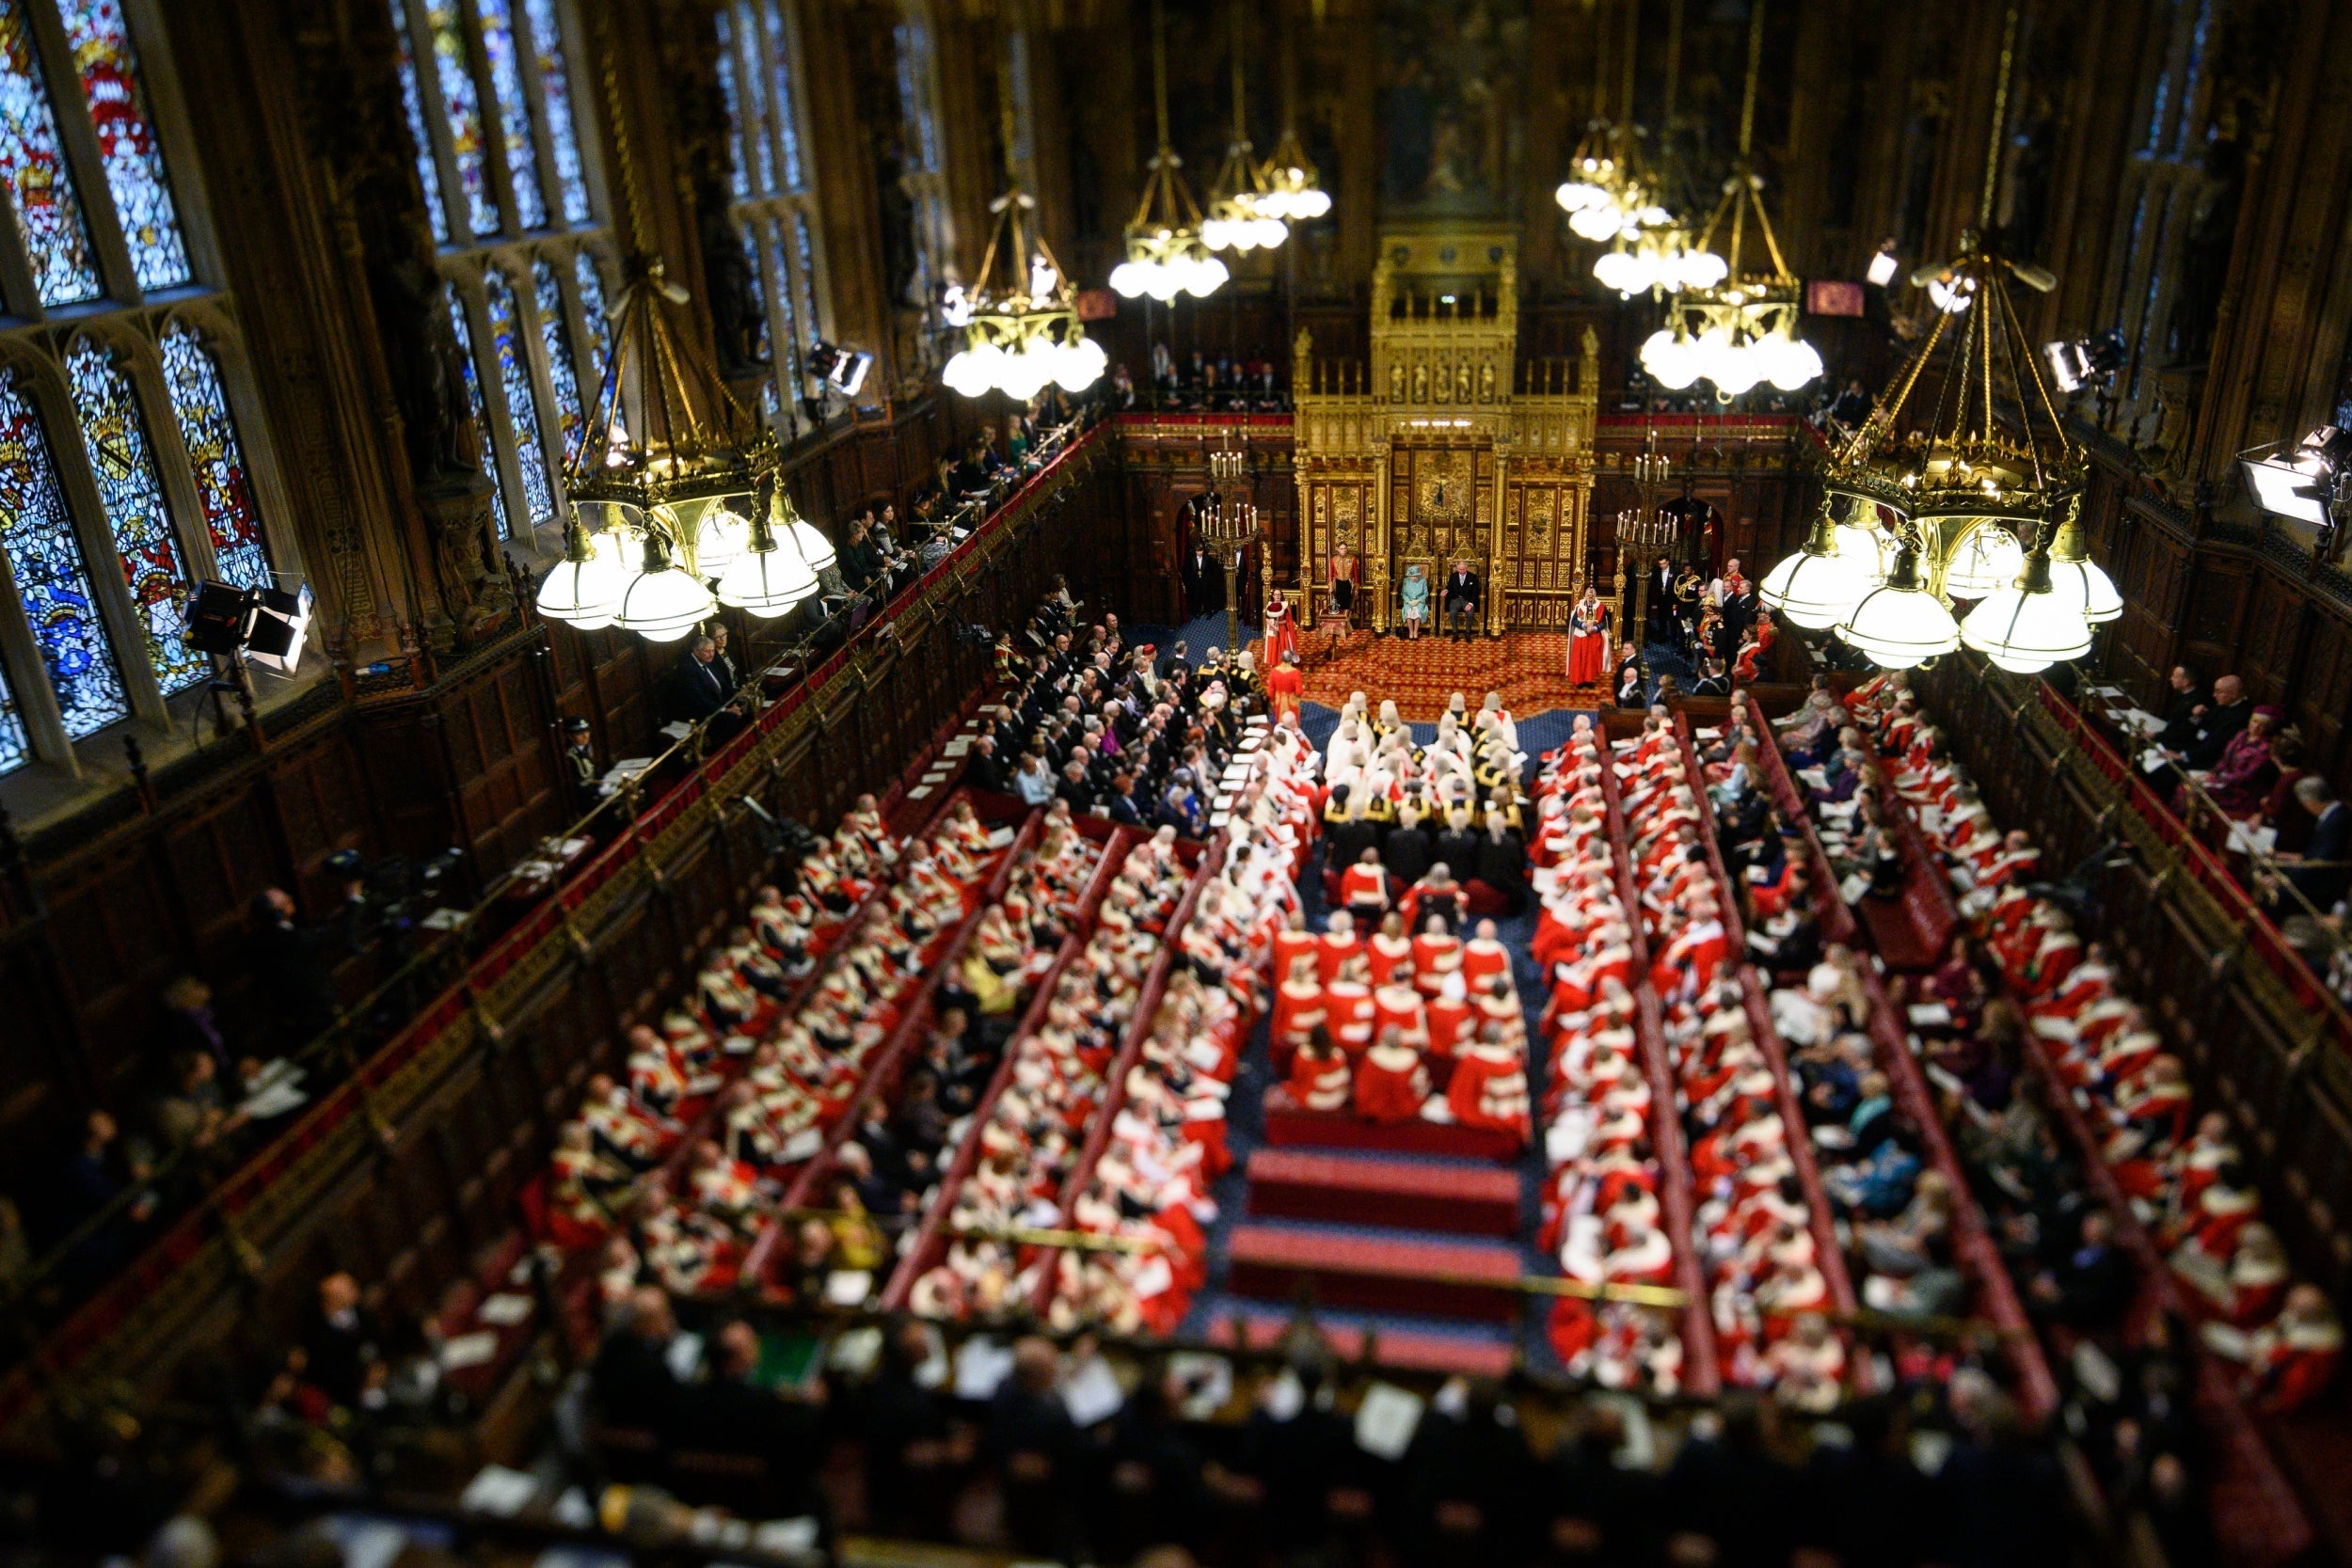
[[1409, 849], [189, 1026], [1075, 787], [1461, 601], [631, 1378], [339, 1340], [2185, 702], [1124, 809], [733, 1413], [289, 967], [987, 769], [1657, 623], [2320, 872], [698, 685], [2230, 711]]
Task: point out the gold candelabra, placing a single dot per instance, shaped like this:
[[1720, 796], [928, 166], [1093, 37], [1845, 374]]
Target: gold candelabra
[[1227, 524]]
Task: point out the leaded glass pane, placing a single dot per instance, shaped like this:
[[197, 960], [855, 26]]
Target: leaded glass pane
[[481, 412], [452, 69], [506, 83], [109, 69], [240, 550], [591, 310], [522, 409], [741, 170], [790, 366], [759, 291], [780, 104], [13, 748], [813, 320], [555, 97], [52, 581], [757, 110], [428, 168], [571, 416], [41, 186], [124, 465]]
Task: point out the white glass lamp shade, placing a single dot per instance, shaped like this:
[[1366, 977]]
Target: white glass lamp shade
[[1202, 275], [1899, 624], [1701, 269], [583, 594], [1599, 222], [1790, 362], [1079, 363], [663, 604], [1986, 562], [1574, 196], [1864, 551], [2024, 630], [1811, 591], [1882, 270], [719, 539], [1671, 359], [2082, 584], [814, 546], [1130, 278], [973, 371], [767, 583]]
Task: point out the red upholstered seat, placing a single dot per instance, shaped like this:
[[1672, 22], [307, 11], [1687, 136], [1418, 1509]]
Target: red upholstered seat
[[1287, 1125], [1302, 1183]]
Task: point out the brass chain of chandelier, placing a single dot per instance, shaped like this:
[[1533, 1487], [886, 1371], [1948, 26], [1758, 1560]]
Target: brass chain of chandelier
[[1733, 329], [1237, 219], [662, 513], [1166, 254], [1913, 518], [1611, 195], [1019, 317]]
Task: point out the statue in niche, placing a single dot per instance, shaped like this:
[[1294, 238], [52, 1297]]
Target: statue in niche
[[1462, 383], [1421, 384], [1396, 381], [2206, 253], [735, 314], [1486, 381]]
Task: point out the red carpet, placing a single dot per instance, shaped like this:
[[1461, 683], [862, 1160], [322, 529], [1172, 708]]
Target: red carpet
[[1449, 1280], [1529, 669], [1301, 1184]]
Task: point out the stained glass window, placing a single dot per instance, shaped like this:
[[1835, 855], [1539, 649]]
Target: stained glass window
[[779, 111], [124, 465], [591, 284], [741, 167], [787, 311], [811, 322], [452, 70], [14, 749], [759, 291], [40, 186], [222, 482], [522, 410], [755, 116], [480, 413], [570, 416], [428, 167], [555, 100], [507, 84], [52, 583], [126, 140]]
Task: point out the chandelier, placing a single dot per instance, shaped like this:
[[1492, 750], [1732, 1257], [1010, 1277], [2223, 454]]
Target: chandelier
[[1238, 219], [1915, 517], [1290, 186], [661, 515], [1736, 330], [1166, 253], [1021, 330], [1609, 197]]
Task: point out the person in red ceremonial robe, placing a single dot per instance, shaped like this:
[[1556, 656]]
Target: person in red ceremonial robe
[[1484, 958], [1489, 1089], [1391, 1086], [1364, 889], [1588, 641], [1319, 1075], [1281, 637], [1286, 685], [2295, 1359], [1387, 948]]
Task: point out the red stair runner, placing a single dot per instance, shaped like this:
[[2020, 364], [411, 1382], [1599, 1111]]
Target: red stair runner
[[1448, 1279], [1298, 1184]]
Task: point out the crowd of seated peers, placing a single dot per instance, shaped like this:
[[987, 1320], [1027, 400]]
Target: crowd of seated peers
[[669, 1172], [1389, 1014], [1138, 735], [2026, 992], [1603, 1202]]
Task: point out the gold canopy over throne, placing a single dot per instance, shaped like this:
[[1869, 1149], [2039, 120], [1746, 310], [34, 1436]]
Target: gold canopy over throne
[[1447, 447]]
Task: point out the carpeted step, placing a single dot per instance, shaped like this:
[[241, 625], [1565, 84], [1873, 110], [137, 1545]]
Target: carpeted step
[[1421, 1195], [1399, 1342], [1287, 1126], [1384, 1272]]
